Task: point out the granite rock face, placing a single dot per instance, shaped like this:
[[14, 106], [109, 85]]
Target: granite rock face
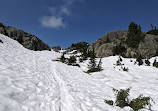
[[29, 41], [147, 48]]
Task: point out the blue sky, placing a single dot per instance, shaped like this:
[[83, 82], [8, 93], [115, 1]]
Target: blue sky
[[63, 22]]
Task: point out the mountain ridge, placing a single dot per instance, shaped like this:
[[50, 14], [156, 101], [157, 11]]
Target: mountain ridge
[[28, 40]]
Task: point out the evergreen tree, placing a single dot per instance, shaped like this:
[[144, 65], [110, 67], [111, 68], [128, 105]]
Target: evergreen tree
[[107, 39], [152, 27], [139, 60], [134, 36], [72, 60], [147, 62], [99, 65], [93, 67], [62, 58], [92, 63], [155, 64], [153, 31]]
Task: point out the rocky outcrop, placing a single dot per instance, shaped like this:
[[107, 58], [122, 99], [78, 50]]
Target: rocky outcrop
[[29, 41], [147, 48]]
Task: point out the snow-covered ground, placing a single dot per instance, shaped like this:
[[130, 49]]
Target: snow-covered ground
[[31, 81]]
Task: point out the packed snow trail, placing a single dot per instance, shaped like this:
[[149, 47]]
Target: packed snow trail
[[30, 81]]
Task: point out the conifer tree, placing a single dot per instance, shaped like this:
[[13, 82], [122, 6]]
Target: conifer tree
[[99, 65], [139, 60], [62, 58], [107, 39], [92, 63], [147, 62]]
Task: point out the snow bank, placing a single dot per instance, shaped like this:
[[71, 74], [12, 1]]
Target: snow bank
[[30, 81]]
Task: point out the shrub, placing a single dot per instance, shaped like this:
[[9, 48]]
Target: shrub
[[125, 69], [62, 58], [153, 31], [155, 64], [139, 60], [81, 59], [110, 102], [118, 62], [147, 62], [122, 100], [140, 102], [122, 97], [72, 59]]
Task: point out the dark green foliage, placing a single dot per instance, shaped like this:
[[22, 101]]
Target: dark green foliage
[[122, 100], [134, 36], [107, 39], [1, 25], [139, 60], [118, 50], [1, 41], [72, 59], [56, 49], [110, 102], [155, 64], [140, 102], [125, 69], [62, 58], [118, 62], [85, 54], [99, 65], [81, 59], [122, 97], [153, 31], [92, 63], [93, 67], [147, 62], [80, 46]]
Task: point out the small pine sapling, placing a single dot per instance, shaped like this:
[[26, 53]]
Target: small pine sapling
[[147, 62]]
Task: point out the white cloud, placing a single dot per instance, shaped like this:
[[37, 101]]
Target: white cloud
[[52, 22], [58, 12], [64, 10]]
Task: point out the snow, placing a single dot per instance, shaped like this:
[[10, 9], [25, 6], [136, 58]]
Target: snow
[[31, 81]]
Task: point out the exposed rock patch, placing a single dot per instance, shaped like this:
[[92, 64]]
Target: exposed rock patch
[[147, 48], [29, 41]]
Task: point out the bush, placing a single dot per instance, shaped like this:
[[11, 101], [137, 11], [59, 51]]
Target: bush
[[118, 62], [140, 102], [155, 64], [139, 60], [62, 58], [147, 62], [122, 100], [122, 97], [153, 31], [72, 59], [125, 69], [110, 102]]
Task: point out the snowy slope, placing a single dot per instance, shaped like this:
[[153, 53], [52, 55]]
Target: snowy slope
[[30, 81]]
